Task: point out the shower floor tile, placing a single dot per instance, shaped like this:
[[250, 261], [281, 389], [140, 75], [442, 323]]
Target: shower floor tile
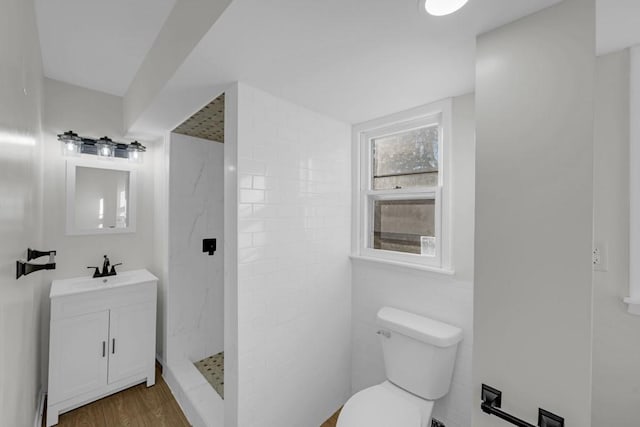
[[212, 368]]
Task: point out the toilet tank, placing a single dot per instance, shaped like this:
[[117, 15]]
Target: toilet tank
[[419, 353]]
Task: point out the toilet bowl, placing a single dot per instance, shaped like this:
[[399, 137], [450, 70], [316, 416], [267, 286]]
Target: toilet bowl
[[385, 405], [419, 355]]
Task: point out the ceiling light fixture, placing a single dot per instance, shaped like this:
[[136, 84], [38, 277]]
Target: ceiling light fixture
[[442, 7]]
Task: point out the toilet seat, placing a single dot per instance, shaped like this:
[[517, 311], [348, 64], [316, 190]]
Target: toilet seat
[[385, 405]]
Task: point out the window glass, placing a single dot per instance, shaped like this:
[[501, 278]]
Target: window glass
[[406, 159], [406, 225]]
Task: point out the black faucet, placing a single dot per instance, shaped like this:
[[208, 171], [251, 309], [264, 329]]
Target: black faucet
[[105, 269], [105, 266]]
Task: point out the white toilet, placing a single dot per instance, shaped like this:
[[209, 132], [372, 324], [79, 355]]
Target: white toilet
[[419, 355]]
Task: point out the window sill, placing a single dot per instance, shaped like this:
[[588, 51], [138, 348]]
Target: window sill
[[634, 305], [413, 266]]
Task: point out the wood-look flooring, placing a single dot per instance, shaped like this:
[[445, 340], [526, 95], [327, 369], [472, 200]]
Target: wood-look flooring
[[137, 406], [333, 420]]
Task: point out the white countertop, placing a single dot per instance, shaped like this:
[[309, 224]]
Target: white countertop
[[63, 287]]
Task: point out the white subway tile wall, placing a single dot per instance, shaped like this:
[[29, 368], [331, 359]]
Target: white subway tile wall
[[293, 273]]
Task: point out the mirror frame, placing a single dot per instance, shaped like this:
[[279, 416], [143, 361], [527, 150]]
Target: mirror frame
[[72, 165]]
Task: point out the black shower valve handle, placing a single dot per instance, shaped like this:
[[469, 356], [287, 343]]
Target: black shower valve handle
[[209, 246]]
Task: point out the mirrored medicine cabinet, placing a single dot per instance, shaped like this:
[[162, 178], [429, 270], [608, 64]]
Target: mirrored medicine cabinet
[[101, 198]]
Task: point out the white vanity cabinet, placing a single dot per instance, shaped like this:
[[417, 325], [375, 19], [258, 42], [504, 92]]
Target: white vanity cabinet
[[102, 338]]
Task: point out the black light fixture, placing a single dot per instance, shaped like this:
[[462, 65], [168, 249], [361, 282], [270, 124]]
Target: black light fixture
[[105, 148]]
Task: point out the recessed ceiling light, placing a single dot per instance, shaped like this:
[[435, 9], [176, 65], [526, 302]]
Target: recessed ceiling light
[[442, 7]]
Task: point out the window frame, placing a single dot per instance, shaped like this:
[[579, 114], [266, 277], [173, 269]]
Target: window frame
[[438, 113]]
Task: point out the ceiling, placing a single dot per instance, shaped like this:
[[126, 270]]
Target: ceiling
[[98, 44], [208, 123], [618, 24], [352, 60]]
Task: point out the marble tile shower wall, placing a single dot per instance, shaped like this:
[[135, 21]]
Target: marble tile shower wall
[[293, 273], [195, 314]]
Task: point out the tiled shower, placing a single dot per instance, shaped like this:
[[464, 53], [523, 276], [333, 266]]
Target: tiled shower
[[195, 304]]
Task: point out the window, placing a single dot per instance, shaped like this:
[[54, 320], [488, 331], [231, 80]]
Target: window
[[402, 197]]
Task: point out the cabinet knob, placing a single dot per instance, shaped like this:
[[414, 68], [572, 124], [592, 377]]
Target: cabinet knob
[[104, 348]]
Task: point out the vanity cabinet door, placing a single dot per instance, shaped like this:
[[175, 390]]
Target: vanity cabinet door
[[78, 355], [132, 340]]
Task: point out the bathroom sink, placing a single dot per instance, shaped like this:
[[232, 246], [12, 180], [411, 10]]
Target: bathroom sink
[[87, 284]]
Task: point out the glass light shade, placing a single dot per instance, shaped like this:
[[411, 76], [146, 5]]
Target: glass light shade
[[71, 144], [71, 148], [105, 148], [443, 7], [135, 156], [135, 152]]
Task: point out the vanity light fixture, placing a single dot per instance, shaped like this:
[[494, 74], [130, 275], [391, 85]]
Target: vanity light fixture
[[442, 7], [105, 148]]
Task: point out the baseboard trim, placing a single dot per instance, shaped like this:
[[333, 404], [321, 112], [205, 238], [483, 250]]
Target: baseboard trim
[[40, 409]]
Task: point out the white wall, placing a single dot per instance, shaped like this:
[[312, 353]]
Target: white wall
[[534, 193], [616, 366], [94, 114], [160, 159], [293, 271], [195, 304], [442, 297], [20, 210]]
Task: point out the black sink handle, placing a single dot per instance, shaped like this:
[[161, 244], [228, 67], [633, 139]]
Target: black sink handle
[[96, 273]]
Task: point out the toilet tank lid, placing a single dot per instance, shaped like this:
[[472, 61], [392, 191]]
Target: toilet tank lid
[[419, 327]]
